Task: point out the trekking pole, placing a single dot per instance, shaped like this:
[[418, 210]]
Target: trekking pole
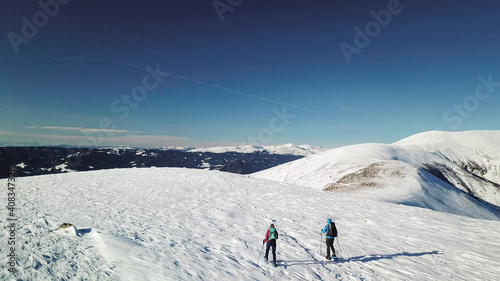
[[338, 246], [260, 253], [320, 243]]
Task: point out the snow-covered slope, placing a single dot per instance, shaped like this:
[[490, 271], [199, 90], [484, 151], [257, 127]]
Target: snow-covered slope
[[182, 224], [416, 167], [286, 149], [476, 151]]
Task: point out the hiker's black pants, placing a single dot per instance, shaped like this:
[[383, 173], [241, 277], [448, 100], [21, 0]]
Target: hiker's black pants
[[329, 245], [271, 243]]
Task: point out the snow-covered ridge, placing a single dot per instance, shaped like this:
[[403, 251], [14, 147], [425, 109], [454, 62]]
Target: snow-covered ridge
[[286, 149], [476, 151], [407, 170]]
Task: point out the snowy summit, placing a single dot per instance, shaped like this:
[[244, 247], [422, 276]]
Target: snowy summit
[[456, 172]]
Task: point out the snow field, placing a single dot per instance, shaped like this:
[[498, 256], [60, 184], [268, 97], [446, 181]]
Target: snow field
[[183, 224]]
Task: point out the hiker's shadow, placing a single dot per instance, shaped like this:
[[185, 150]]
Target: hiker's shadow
[[368, 258], [365, 258]]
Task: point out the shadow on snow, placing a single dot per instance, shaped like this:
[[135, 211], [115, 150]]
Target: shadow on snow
[[366, 258]]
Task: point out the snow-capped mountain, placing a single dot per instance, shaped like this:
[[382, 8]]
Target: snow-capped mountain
[[184, 224], [476, 151], [286, 149], [462, 165], [5, 144]]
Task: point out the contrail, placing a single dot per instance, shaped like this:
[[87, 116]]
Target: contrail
[[83, 59], [350, 108], [231, 90]]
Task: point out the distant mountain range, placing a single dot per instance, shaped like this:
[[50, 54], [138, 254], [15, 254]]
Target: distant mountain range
[[39, 160], [286, 149]]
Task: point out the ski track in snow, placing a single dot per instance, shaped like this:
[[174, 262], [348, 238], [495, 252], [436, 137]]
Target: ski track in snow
[[182, 224]]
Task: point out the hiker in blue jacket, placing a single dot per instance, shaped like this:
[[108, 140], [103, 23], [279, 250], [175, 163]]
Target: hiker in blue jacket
[[331, 233]]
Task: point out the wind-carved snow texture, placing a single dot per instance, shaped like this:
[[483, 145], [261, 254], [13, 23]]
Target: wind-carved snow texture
[[458, 168], [183, 224]]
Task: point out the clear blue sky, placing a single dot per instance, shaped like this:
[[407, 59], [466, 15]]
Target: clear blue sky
[[267, 72]]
